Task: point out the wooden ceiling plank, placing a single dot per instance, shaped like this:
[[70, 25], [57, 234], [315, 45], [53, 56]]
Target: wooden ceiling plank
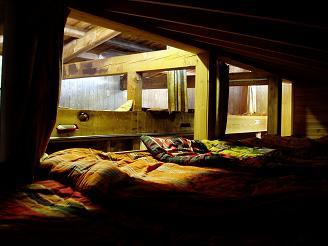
[[91, 39]]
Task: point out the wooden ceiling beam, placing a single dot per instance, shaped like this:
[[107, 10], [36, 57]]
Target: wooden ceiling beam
[[74, 32], [273, 45], [272, 29], [223, 38], [121, 43], [88, 56], [91, 39], [302, 15], [298, 61], [148, 61], [96, 19]]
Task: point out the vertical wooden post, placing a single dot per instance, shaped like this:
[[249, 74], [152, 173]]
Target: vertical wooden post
[[223, 99], [274, 105], [171, 91], [212, 97], [134, 90], [182, 91], [287, 108], [205, 118], [201, 97]]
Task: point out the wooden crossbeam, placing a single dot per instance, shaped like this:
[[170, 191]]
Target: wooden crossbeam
[[148, 61], [91, 39]]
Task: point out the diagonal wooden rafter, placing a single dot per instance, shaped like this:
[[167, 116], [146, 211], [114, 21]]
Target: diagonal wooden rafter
[[74, 32], [91, 39]]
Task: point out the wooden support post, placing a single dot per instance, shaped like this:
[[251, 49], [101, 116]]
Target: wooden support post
[[223, 98], [287, 108], [274, 105], [212, 97], [201, 97], [134, 90], [205, 97]]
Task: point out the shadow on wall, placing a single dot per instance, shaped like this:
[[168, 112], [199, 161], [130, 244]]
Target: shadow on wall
[[310, 110]]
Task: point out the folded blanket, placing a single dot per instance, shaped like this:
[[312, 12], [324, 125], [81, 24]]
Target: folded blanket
[[205, 152]]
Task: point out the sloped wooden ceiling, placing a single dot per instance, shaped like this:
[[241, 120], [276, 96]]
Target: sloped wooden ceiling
[[287, 39]]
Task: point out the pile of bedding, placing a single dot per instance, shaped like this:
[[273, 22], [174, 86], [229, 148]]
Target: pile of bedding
[[217, 153], [296, 153], [270, 152]]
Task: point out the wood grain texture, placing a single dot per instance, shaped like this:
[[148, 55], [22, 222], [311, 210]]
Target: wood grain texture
[[147, 61], [91, 39], [201, 97], [134, 90], [132, 122], [137, 32], [274, 105]]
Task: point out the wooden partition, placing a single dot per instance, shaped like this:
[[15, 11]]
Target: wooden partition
[[211, 96], [132, 122]]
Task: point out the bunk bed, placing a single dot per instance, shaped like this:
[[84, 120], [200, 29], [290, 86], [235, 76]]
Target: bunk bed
[[211, 192]]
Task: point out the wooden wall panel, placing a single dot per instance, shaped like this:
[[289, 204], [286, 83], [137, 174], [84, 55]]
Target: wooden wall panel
[[96, 93], [155, 98], [261, 99], [237, 100], [310, 110], [132, 122]]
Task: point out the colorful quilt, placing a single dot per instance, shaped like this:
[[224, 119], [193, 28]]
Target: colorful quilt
[[146, 199], [139, 174], [48, 199], [206, 152]]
